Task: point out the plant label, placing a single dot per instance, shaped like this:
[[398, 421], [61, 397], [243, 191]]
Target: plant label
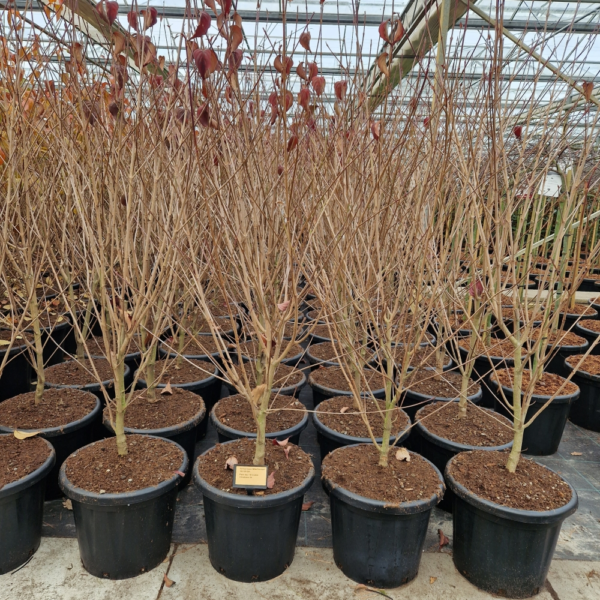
[[551, 185], [250, 477]]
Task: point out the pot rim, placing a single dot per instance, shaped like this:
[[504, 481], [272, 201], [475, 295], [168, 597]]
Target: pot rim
[[32, 478], [284, 391], [581, 373], [379, 506], [240, 501], [88, 386], [205, 382], [539, 397], [125, 498], [50, 432], [513, 514], [334, 392], [473, 397]]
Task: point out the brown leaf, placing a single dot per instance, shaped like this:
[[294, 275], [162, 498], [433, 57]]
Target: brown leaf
[[236, 37], [23, 435], [375, 129], [444, 541], [340, 87], [383, 31], [271, 480], [305, 40], [283, 443], [67, 504], [402, 454], [237, 19], [256, 393], [168, 582], [230, 462], [432, 580], [588, 89], [167, 389], [307, 505], [203, 25], [382, 64], [576, 454], [318, 84], [301, 72], [399, 32], [343, 409]]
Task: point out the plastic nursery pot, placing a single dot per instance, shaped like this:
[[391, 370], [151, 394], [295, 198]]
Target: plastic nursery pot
[[183, 434], [330, 439], [227, 434], [543, 436], [290, 390], [439, 451], [53, 340], [21, 514], [588, 284], [590, 335], [252, 538], [501, 550], [123, 535], [65, 439], [568, 320], [321, 392], [290, 361], [586, 411], [556, 364], [209, 388], [16, 376], [376, 543]]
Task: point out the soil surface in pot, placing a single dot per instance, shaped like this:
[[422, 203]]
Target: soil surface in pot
[[79, 372], [356, 469], [531, 487], [334, 379], [321, 331], [329, 352], [500, 348], [98, 468], [350, 422], [290, 470], [20, 340], [548, 384], [189, 371], [57, 407], [579, 309], [316, 314], [251, 349], [560, 338], [481, 426], [590, 364], [447, 386], [95, 346], [591, 324], [285, 376], [288, 331], [168, 410], [235, 412], [193, 346], [423, 356], [19, 458], [508, 312]]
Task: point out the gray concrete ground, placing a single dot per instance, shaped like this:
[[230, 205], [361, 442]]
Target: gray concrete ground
[[55, 573]]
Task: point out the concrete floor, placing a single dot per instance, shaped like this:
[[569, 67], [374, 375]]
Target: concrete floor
[[55, 573]]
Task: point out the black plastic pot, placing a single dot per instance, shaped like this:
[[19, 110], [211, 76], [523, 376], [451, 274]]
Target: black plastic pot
[[208, 388], [319, 362], [543, 436], [227, 434], [321, 392], [501, 550], [53, 341], [290, 390], [252, 538], [414, 401], [124, 535], [376, 543], [589, 335], [184, 434], [329, 439], [568, 320], [556, 364], [588, 285], [586, 411], [65, 440], [16, 376], [440, 450], [290, 361], [21, 514]]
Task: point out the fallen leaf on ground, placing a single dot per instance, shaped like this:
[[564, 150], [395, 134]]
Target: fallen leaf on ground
[[230, 462], [23, 435], [402, 454], [576, 454], [444, 541], [271, 480], [308, 505], [432, 579], [168, 582], [366, 588], [4, 343], [343, 409], [67, 504], [167, 389]]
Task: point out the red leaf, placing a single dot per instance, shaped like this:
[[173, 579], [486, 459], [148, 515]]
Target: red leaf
[[305, 40], [318, 84], [279, 169], [382, 64], [307, 505], [107, 10], [226, 4], [150, 16], [304, 98], [207, 62], [301, 72], [375, 128], [518, 131], [340, 88], [204, 115], [287, 100], [235, 60], [426, 121], [292, 142], [283, 442], [132, 19], [236, 37], [283, 66], [383, 31], [313, 70], [444, 541], [283, 306], [588, 89], [399, 32], [203, 25], [230, 462], [273, 99], [271, 480]]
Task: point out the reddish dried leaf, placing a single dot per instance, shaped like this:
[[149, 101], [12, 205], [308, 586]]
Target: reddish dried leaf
[[230, 462], [305, 40], [167, 390], [444, 541], [518, 132], [235, 60], [150, 16], [382, 64], [168, 582], [211, 4], [301, 72], [107, 10], [318, 84], [283, 442], [308, 505], [273, 99], [279, 170], [132, 19], [286, 451], [375, 129], [399, 32], [283, 306], [203, 25], [180, 473], [292, 143], [313, 70], [237, 19], [283, 65], [236, 37], [119, 41], [287, 100], [588, 90], [271, 480], [340, 88], [383, 31], [204, 115]]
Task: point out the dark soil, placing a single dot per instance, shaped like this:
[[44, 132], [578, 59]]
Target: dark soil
[[531, 487], [327, 351], [95, 346], [423, 356], [168, 410], [235, 412], [350, 422], [201, 345], [321, 330], [81, 372], [285, 376], [334, 379], [580, 309], [356, 469], [508, 313], [19, 458], [98, 468], [290, 472], [481, 426], [57, 407], [316, 314], [561, 338], [548, 385], [500, 348], [189, 371], [251, 349], [591, 324], [288, 332], [20, 340], [424, 382], [590, 364]]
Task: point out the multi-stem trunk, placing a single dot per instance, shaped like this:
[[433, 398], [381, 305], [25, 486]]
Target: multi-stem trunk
[[518, 418], [384, 449], [37, 337], [151, 374], [121, 403], [261, 418]]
